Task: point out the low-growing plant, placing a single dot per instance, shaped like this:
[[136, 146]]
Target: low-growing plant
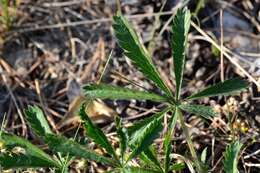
[[17, 152], [135, 50], [136, 140]]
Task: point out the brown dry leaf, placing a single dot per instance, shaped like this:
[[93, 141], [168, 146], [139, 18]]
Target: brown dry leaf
[[96, 110], [100, 113], [95, 61]]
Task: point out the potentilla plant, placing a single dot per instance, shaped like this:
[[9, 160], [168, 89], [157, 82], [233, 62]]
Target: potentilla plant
[[135, 50], [137, 140]]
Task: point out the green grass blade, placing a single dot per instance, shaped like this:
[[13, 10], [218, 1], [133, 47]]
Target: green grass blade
[[167, 141], [96, 133], [222, 88], [123, 136], [144, 137], [135, 50], [20, 153], [180, 29], [231, 157], [203, 111], [104, 91], [67, 146], [37, 121]]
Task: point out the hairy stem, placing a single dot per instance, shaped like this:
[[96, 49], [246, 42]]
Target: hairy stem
[[190, 144]]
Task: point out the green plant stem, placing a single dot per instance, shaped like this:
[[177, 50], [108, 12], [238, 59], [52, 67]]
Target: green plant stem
[[190, 144]]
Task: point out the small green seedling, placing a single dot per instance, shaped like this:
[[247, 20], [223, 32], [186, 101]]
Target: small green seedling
[[137, 140]]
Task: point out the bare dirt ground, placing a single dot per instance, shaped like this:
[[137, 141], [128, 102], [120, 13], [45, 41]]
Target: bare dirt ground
[[53, 47]]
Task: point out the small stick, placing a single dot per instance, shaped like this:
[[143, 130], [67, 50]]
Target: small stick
[[105, 67], [85, 22]]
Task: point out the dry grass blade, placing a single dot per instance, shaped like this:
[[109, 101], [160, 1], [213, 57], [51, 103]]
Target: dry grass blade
[[209, 39]]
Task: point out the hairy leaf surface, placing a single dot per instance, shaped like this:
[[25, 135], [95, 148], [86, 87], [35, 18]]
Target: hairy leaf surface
[[135, 50], [133, 130], [104, 91], [180, 29], [150, 157], [222, 88], [37, 121], [20, 153], [144, 137], [204, 111], [68, 146]]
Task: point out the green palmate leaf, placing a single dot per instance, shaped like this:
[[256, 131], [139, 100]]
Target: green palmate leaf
[[95, 133], [167, 151], [132, 169], [104, 91], [134, 49], [150, 158], [144, 137], [177, 167], [167, 141], [67, 146], [204, 111], [37, 121], [123, 136], [8, 161], [231, 157], [133, 130], [20, 153], [222, 88], [180, 29]]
